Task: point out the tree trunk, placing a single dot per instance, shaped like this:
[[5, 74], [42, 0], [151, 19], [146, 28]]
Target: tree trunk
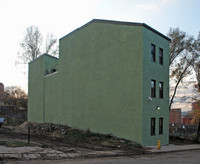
[[179, 80], [198, 131], [171, 101]]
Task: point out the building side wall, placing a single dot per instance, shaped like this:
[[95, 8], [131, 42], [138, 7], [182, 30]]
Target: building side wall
[[38, 70], [175, 116], [160, 73], [52, 99], [50, 64], [101, 80], [36, 91]]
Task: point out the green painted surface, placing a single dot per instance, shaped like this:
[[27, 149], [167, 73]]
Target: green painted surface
[[37, 87], [102, 82], [158, 72], [36, 90]]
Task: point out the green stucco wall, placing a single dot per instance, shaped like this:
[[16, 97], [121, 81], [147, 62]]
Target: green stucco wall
[[101, 82], [158, 72], [36, 90], [102, 91], [37, 86]]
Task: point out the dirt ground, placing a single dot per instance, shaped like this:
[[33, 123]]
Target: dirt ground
[[52, 141], [180, 141]]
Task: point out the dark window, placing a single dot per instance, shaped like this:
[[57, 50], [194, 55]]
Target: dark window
[[153, 53], [153, 88], [153, 126], [161, 90], [161, 56], [160, 125], [53, 70]]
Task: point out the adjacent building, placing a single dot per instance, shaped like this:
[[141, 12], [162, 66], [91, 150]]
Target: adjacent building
[[111, 77], [1, 93], [175, 117]]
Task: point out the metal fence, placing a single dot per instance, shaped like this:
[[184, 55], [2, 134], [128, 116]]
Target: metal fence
[[183, 131]]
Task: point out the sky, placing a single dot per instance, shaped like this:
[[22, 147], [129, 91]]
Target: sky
[[60, 17]]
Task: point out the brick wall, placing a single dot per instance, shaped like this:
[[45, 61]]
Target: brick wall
[[175, 116]]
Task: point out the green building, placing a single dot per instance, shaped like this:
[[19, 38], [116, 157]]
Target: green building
[[111, 77]]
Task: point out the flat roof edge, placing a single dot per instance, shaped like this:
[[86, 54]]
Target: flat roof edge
[[42, 56]]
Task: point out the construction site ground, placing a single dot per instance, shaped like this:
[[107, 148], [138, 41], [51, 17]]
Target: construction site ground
[[53, 141]]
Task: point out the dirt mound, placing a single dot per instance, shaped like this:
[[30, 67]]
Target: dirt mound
[[180, 141], [26, 124], [76, 136]]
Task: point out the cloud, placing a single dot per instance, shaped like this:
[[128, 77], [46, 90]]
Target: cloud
[[164, 2], [149, 7], [154, 7]]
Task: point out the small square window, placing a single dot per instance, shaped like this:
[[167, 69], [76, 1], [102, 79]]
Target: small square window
[[153, 53], [161, 56]]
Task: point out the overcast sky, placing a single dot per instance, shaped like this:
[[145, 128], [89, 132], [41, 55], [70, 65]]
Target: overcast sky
[[63, 16]]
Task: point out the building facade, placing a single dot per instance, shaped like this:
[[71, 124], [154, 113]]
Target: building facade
[[175, 116], [111, 77], [1, 93]]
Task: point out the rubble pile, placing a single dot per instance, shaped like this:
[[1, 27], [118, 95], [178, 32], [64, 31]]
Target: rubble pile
[[77, 135]]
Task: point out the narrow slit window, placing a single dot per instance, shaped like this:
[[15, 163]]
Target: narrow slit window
[[161, 90], [160, 125], [153, 53], [153, 88], [153, 126], [161, 56]]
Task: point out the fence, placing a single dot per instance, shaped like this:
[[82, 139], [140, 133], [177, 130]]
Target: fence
[[13, 115], [183, 131]]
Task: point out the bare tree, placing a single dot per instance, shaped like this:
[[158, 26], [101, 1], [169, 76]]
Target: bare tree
[[183, 57], [50, 45], [32, 45], [15, 96], [196, 65], [179, 43], [181, 70]]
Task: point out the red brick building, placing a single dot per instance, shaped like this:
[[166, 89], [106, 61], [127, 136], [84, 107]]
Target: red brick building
[[1, 93], [175, 116], [186, 120]]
